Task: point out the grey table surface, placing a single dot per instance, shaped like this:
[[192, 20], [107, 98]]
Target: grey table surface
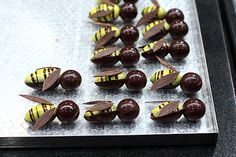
[[223, 92]]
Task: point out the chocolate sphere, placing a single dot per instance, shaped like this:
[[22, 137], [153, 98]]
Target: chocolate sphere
[[179, 49], [174, 14], [129, 55], [191, 83], [136, 80], [194, 109], [70, 80], [129, 34], [178, 29], [128, 12], [127, 110], [67, 111], [131, 1]]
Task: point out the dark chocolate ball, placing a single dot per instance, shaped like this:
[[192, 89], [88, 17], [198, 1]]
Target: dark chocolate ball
[[179, 49], [194, 109], [135, 80], [70, 80], [129, 34], [191, 83], [67, 111], [128, 12], [178, 29], [131, 1], [128, 110], [129, 55], [174, 14]]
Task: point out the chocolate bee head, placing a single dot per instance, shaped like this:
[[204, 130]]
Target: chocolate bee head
[[36, 112], [36, 79], [163, 74], [110, 79], [158, 48], [167, 112], [101, 112], [105, 56], [105, 13], [104, 31], [156, 30]]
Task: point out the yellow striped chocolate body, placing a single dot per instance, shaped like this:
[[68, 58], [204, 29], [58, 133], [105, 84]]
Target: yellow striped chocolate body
[[110, 82], [106, 60], [176, 114], [107, 18], [99, 34], [36, 79], [161, 12], [36, 112], [103, 116], [157, 75], [147, 50], [163, 31]]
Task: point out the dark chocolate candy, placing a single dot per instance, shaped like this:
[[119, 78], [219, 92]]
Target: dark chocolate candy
[[128, 12], [135, 80], [128, 110], [191, 83], [178, 29], [179, 49], [129, 55], [67, 111], [70, 80], [129, 34], [174, 14], [194, 109]]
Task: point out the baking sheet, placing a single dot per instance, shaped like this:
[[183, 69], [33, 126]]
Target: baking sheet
[[57, 33]]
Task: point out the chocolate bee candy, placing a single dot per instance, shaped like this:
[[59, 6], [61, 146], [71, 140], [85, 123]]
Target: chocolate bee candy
[[104, 31], [150, 13], [36, 79], [106, 56], [158, 48], [110, 79], [37, 111], [167, 112], [45, 112], [164, 73], [105, 13], [101, 112], [156, 30]]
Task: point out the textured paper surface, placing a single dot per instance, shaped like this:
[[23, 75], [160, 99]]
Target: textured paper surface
[[56, 33]]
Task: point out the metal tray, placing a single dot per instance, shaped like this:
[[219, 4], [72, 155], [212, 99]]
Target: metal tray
[[56, 33]]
